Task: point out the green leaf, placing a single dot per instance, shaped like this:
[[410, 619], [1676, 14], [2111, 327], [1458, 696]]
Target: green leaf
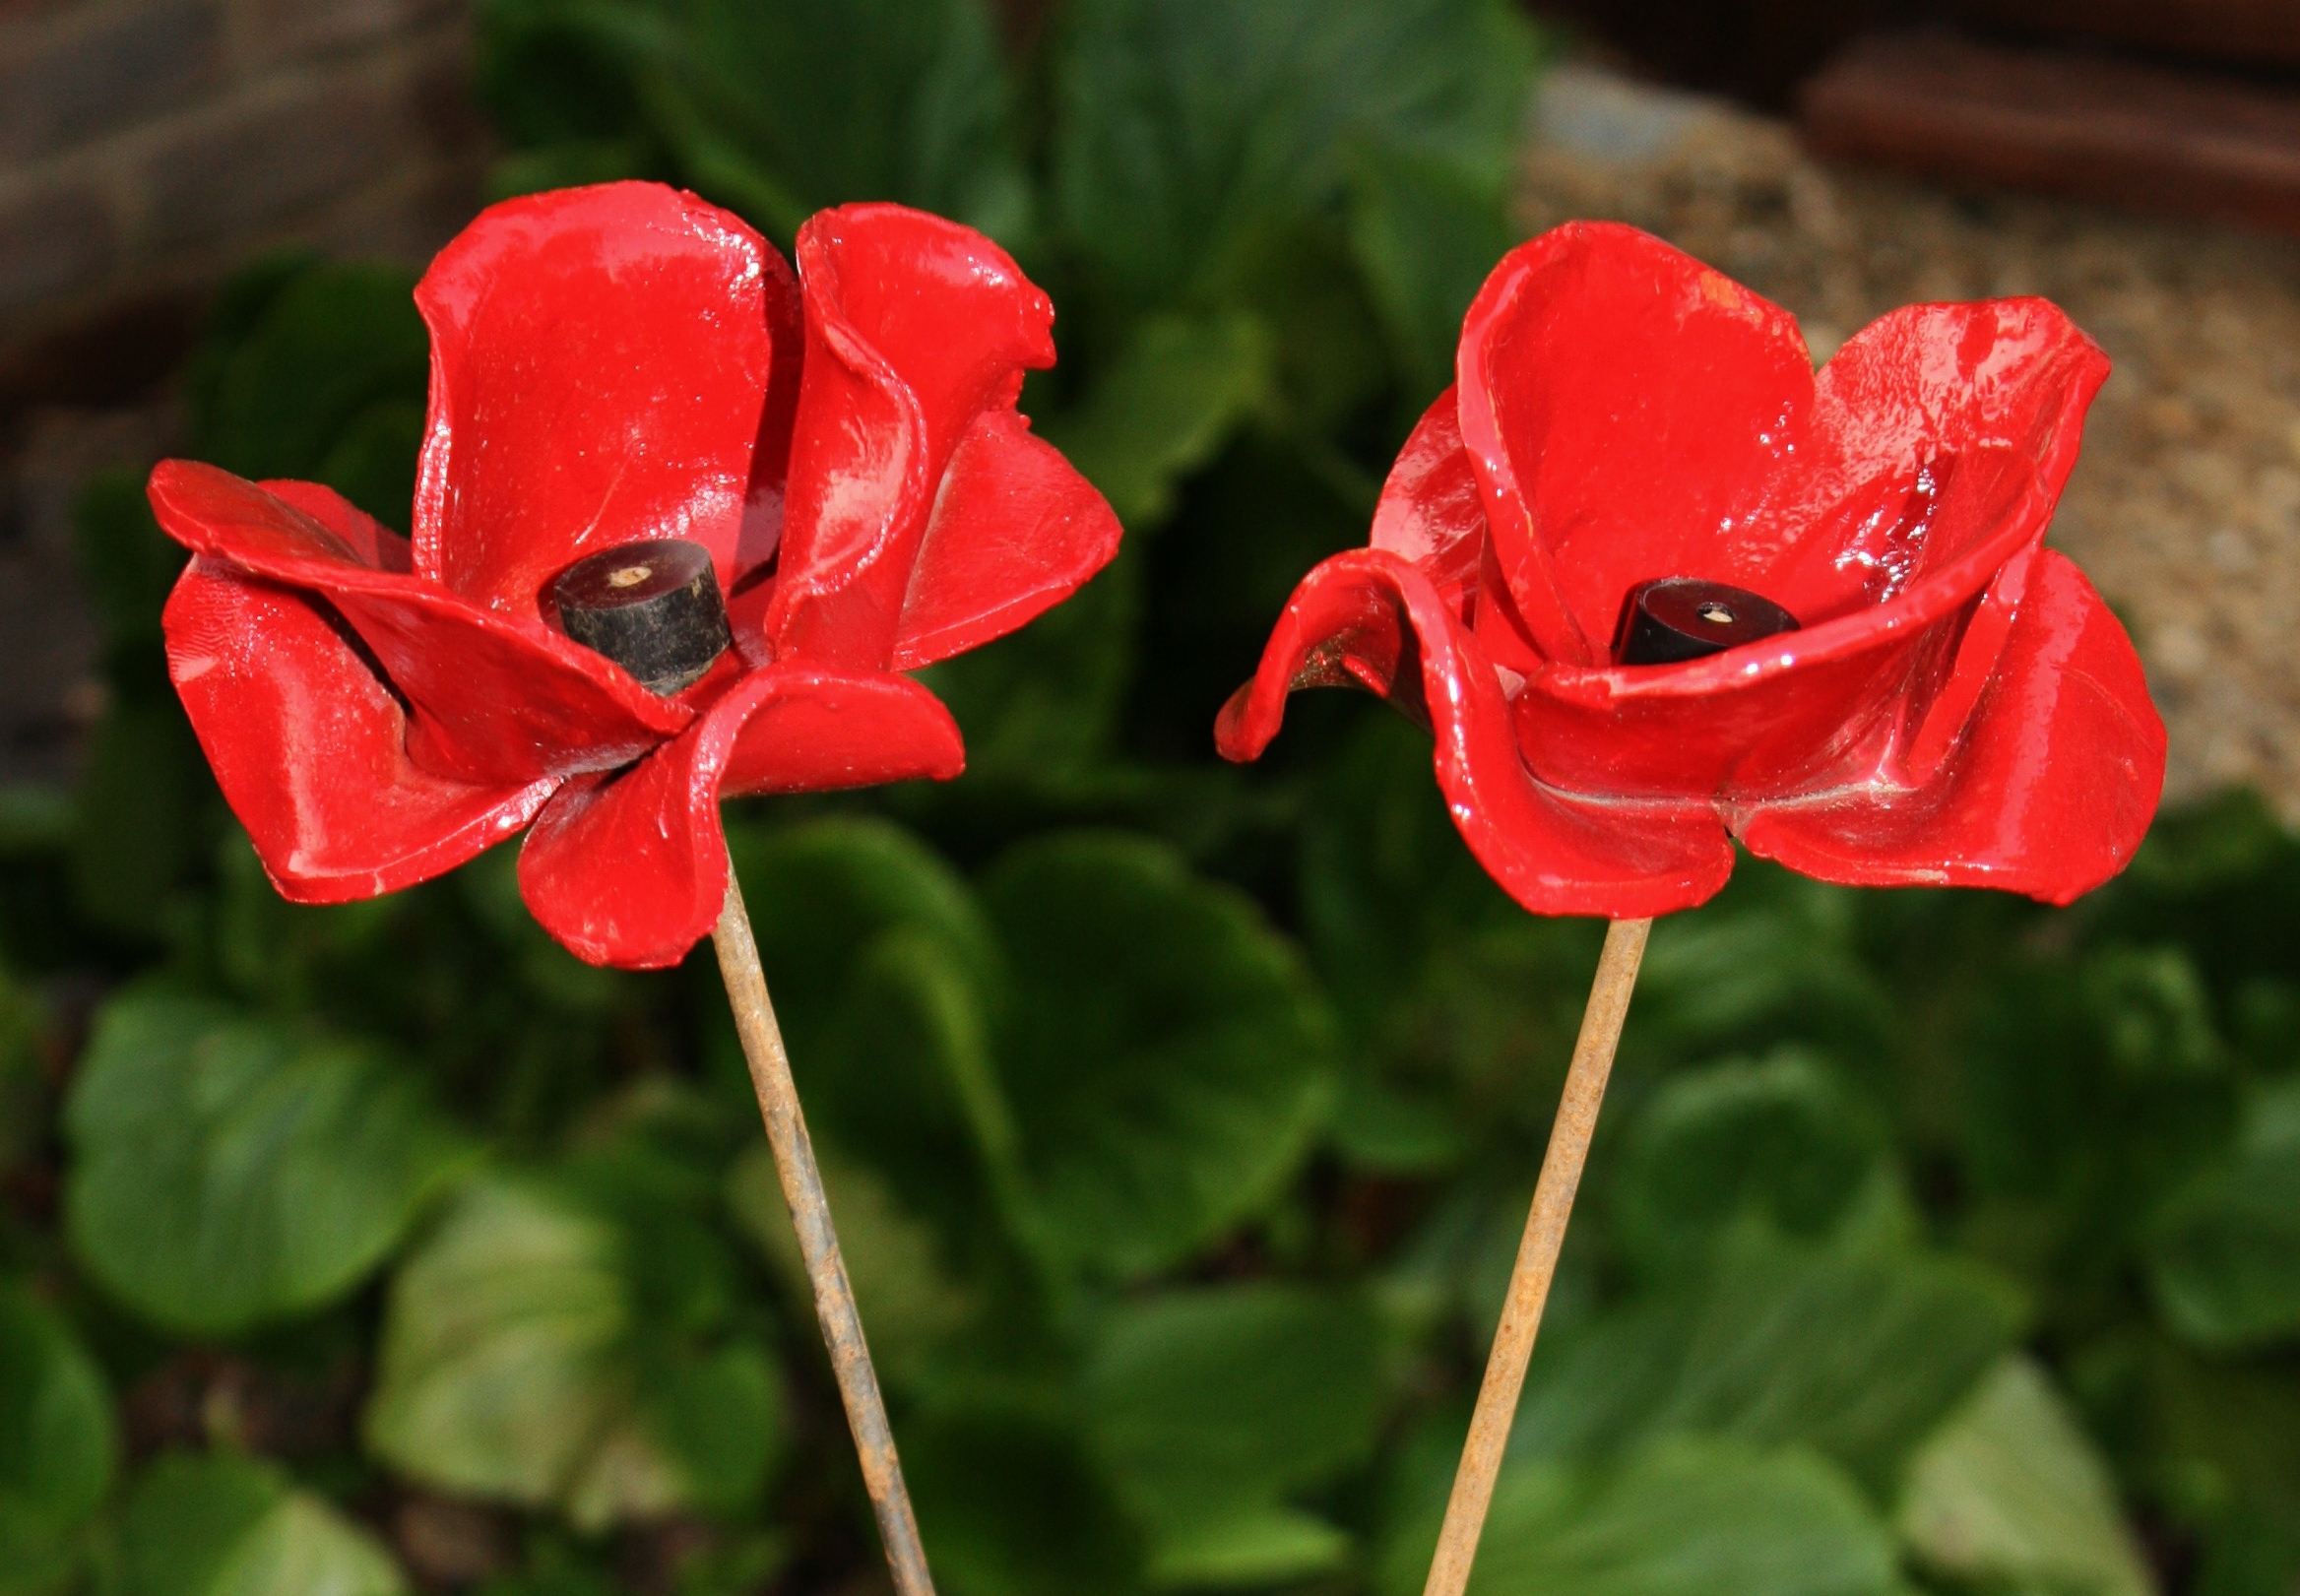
[[1213, 1406], [2009, 1489], [330, 347], [781, 110], [1781, 1143], [134, 831], [1425, 234], [910, 1298], [1011, 1504], [228, 1171], [1040, 707], [524, 1358], [1685, 1519], [56, 1448], [1857, 1357], [1166, 1054], [2224, 1253], [1188, 132], [1168, 403], [225, 1525], [821, 892]]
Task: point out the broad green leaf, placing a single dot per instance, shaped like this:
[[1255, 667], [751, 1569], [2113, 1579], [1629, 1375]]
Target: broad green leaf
[[2010, 1491], [1685, 1519], [1041, 706], [229, 1171], [56, 1446], [1213, 1406], [913, 1088], [1425, 234], [225, 1525], [1167, 404], [820, 892], [781, 110], [339, 350], [2224, 1256], [1187, 131], [523, 1358], [1857, 1357], [134, 815], [910, 1298], [1781, 1143], [1012, 1504], [1165, 1053]]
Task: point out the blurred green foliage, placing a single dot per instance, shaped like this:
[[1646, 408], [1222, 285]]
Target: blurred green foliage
[[1180, 1119]]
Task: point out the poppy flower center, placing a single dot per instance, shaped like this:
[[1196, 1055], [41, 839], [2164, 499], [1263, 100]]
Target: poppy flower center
[[1680, 618], [651, 607]]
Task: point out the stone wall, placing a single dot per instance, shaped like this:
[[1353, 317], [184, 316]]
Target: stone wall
[[146, 146]]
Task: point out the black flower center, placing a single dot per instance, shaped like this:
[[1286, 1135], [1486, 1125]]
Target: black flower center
[[651, 607]]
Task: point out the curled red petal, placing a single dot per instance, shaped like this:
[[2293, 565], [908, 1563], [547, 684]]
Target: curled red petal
[[915, 326], [598, 360], [1014, 531], [629, 868], [770, 460], [492, 700], [1910, 398], [308, 746], [1623, 405], [1370, 618], [2049, 791], [1430, 511]]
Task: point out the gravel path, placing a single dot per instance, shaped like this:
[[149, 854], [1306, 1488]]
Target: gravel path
[[2185, 509]]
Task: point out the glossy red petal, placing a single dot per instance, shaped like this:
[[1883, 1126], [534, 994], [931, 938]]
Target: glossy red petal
[[770, 460], [1899, 406], [1430, 512], [493, 701], [1370, 618], [1624, 407], [2054, 782], [308, 746], [915, 326], [1015, 530], [630, 867], [599, 359], [1812, 709]]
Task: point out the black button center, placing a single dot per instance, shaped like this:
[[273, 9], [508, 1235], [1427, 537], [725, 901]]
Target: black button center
[[653, 608], [1681, 617]]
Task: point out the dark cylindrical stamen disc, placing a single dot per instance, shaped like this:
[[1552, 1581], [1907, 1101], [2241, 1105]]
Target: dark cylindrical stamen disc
[[1680, 618], [651, 607]]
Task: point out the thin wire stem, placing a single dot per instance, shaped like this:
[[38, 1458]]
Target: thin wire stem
[[818, 1244], [1537, 1256]]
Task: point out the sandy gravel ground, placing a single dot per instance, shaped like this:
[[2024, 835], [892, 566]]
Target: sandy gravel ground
[[2185, 509]]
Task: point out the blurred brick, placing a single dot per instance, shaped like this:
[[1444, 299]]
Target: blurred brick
[[95, 70], [275, 30], [2263, 33], [257, 163], [2143, 137], [56, 237]]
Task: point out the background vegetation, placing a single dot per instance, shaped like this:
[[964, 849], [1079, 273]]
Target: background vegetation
[[1180, 1119]]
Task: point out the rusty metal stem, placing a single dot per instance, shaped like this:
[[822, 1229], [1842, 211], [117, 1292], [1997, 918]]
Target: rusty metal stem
[[818, 1243], [1537, 1256]]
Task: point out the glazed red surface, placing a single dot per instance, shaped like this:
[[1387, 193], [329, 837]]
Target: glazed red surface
[[609, 365], [1959, 707]]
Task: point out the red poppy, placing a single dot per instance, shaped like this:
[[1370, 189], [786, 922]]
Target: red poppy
[[1958, 708], [611, 365]]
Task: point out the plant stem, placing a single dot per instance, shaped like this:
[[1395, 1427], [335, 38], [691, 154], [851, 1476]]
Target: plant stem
[[818, 1243], [1537, 1256]]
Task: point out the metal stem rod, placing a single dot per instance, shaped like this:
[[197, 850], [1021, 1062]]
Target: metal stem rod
[[1537, 1256], [818, 1244]]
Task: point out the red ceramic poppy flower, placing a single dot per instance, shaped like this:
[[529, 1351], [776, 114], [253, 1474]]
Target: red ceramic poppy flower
[[1959, 707], [611, 365]]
